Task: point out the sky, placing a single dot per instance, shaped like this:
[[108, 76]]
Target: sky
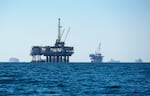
[[121, 26]]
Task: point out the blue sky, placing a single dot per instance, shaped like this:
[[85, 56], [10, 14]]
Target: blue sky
[[122, 27]]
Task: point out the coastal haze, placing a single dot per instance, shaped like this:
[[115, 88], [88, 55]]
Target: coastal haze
[[122, 27]]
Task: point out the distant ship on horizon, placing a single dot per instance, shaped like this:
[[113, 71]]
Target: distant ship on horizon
[[114, 61], [139, 60], [97, 57]]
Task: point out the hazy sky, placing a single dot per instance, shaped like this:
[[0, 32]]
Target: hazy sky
[[122, 27]]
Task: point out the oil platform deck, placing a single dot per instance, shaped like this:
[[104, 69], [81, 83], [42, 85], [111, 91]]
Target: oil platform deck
[[97, 57], [57, 53]]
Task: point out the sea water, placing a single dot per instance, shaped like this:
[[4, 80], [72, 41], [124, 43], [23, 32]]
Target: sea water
[[74, 79]]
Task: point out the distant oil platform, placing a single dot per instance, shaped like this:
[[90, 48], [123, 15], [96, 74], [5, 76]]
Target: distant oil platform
[[97, 57], [139, 60], [57, 53]]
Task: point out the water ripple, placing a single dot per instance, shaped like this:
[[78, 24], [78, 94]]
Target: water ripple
[[74, 79]]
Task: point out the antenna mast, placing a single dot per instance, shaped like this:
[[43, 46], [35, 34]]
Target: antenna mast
[[99, 47], [59, 30]]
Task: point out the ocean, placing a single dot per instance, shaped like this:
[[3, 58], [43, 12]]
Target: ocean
[[74, 79]]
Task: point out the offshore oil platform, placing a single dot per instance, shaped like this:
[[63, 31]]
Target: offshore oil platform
[[97, 57], [57, 53]]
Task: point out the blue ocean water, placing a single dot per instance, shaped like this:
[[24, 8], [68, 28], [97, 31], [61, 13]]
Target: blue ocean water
[[74, 79]]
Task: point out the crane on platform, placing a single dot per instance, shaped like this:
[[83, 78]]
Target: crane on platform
[[67, 34], [60, 34], [99, 49]]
